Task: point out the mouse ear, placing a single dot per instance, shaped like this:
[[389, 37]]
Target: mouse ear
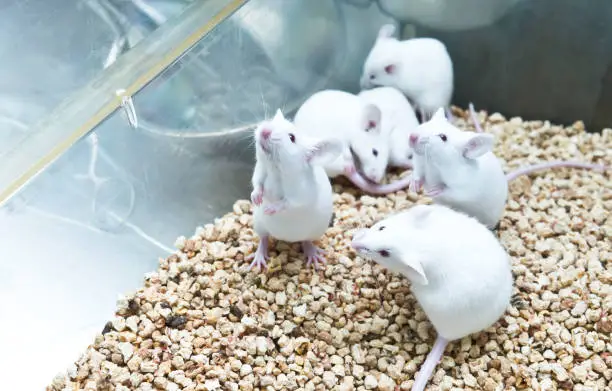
[[324, 151], [478, 145], [279, 115], [371, 118], [412, 268], [440, 114], [420, 212], [386, 31]]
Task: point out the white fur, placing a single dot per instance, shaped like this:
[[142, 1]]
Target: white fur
[[473, 178], [293, 177], [460, 273], [398, 121], [343, 115], [423, 69]]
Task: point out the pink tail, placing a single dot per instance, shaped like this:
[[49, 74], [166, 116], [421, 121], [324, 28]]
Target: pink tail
[[475, 119], [555, 164], [379, 189], [430, 364]]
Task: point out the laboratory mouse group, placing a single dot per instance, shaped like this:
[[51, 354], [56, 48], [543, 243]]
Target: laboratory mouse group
[[460, 273]]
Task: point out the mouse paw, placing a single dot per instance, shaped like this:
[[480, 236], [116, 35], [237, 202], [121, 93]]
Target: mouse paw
[[273, 208], [434, 191], [314, 255], [260, 256], [257, 196], [416, 184]]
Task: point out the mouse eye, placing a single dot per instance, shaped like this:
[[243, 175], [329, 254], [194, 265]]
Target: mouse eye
[[442, 137], [389, 69], [292, 137], [381, 228], [372, 76], [384, 253], [375, 152]]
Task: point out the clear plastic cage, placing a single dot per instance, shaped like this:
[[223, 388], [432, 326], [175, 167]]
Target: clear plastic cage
[[92, 195]]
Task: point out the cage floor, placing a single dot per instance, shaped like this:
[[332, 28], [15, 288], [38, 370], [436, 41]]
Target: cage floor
[[203, 322]]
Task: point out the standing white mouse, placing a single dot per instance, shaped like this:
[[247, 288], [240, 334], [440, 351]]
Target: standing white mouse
[[463, 282], [458, 168], [357, 124], [398, 121], [419, 67], [291, 192]]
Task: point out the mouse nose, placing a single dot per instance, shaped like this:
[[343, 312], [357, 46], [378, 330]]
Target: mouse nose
[[414, 138], [266, 133]]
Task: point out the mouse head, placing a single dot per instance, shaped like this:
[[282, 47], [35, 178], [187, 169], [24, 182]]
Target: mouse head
[[278, 143], [369, 146], [389, 242], [440, 140], [381, 66]]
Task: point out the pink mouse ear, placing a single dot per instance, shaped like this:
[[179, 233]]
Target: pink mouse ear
[[478, 145], [389, 69], [324, 151], [386, 31]]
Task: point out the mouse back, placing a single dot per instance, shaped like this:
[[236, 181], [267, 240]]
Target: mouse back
[[357, 123], [460, 273], [420, 67]]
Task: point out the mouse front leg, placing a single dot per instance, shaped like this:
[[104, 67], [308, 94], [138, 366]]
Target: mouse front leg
[[417, 178], [275, 207], [435, 190], [314, 254], [258, 179], [257, 195]]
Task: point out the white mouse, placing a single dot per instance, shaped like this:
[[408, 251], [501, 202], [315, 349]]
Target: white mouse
[[292, 195], [419, 67], [460, 274], [398, 120], [357, 124], [457, 168]]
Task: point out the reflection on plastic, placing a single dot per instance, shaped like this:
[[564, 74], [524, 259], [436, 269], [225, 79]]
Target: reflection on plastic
[[128, 106], [109, 194], [445, 15]]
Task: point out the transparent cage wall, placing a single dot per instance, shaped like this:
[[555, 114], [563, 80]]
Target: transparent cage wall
[[89, 225]]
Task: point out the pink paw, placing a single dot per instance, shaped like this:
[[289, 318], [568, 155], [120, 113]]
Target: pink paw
[[434, 191], [416, 184], [314, 255], [272, 209], [259, 260], [257, 197]]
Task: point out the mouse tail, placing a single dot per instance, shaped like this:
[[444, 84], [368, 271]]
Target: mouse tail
[[372, 188], [430, 364], [554, 164], [474, 118]]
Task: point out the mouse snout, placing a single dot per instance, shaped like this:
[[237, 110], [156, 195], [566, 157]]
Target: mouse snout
[[414, 138], [265, 134], [358, 235]]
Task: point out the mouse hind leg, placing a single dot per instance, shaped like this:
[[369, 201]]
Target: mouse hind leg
[[314, 254], [260, 256]]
